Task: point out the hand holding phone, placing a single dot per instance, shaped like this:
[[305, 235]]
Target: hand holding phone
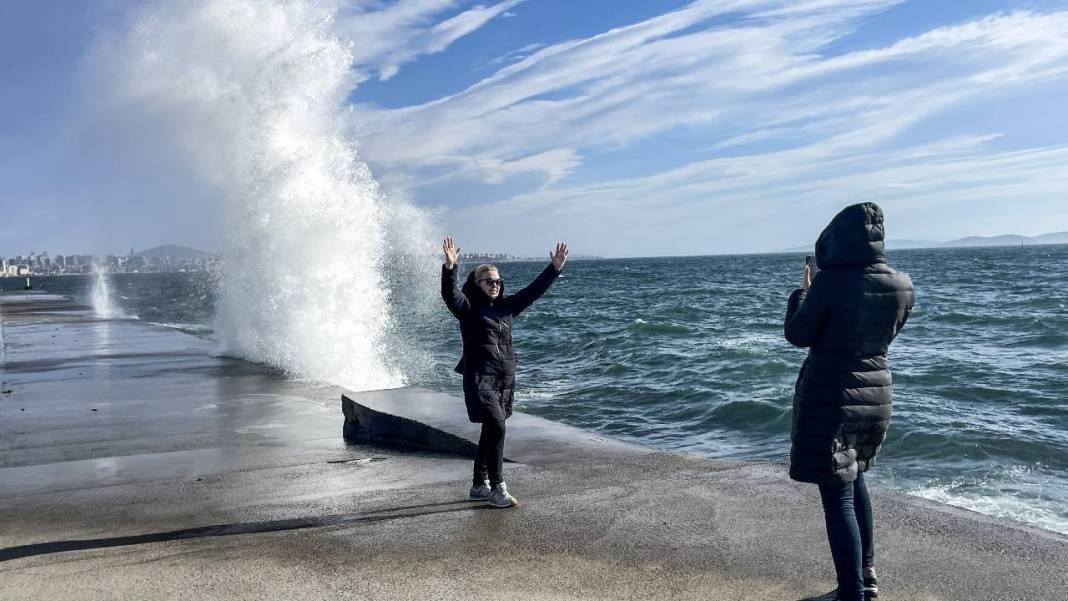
[[811, 269]]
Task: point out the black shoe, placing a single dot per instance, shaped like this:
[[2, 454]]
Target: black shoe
[[871, 585], [831, 596]]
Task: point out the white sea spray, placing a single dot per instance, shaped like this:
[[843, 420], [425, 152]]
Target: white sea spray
[[101, 295], [252, 95]]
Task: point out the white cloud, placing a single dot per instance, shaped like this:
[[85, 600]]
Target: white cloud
[[784, 116], [517, 54], [385, 36], [770, 202], [605, 90]]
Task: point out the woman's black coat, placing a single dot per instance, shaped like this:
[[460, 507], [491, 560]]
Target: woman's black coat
[[488, 363], [855, 307]]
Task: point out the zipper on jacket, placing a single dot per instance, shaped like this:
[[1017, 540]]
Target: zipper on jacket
[[497, 342]]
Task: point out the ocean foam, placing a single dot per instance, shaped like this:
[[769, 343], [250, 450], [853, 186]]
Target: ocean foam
[[1021, 493]]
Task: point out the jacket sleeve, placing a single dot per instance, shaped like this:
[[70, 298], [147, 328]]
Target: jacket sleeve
[[806, 312], [904, 317], [519, 301], [454, 299]]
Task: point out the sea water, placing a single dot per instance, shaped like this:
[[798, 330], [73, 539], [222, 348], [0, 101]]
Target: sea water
[[687, 354]]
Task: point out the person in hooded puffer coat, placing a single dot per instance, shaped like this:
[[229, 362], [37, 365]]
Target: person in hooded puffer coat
[[847, 316], [489, 361]]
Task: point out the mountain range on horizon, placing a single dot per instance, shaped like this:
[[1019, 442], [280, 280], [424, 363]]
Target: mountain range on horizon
[[970, 241], [176, 253], [1011, 240], [173, 252]]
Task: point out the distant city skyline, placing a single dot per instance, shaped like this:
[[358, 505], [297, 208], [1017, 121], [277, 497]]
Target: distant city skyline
[[157, 259], [627, 129], [115, 260]]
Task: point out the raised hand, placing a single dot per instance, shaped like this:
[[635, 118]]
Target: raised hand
[[452, 252], [559, 256], [806, 280]]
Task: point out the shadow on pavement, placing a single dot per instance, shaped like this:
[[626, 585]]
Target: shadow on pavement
[[19, 552]]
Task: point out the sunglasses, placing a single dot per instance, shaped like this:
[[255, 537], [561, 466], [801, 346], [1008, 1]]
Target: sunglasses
[[492, 282]]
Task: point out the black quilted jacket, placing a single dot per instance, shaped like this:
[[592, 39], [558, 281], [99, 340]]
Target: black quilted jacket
[[488, 363], [855, 307]]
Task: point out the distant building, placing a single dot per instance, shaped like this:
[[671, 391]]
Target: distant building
[[42, 264]]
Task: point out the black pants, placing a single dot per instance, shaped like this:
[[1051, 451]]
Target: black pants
[[851, 532], [489, 459]]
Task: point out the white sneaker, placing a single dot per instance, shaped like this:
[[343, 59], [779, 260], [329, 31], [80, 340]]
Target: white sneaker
[[500, 497], [871, 585], [480, 493]]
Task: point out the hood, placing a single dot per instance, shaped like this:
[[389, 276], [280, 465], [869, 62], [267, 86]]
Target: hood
[[854, 238], [475, 294]]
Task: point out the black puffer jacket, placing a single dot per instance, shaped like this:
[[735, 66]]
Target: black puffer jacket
[[488, 363], [855, 307]]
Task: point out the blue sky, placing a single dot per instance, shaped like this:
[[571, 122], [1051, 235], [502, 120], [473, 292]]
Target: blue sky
[[627, 128]]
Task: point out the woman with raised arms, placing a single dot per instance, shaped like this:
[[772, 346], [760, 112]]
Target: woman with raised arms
[[488, 364]]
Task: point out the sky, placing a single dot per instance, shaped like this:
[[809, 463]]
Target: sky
[[626, 128]]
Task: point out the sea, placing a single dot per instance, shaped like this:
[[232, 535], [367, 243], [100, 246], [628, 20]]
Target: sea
[[687, 354]]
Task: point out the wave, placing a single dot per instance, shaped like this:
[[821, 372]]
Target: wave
[[189, 328], [250, 97], [643, 327], [748, 415], [1047, 340], [1022, 493]]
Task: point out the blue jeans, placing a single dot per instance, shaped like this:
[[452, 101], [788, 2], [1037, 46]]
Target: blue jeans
[[851, 533]]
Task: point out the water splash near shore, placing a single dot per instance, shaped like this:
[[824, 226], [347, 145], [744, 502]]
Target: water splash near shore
[[101, 296], [252, 94], [1031, 494]]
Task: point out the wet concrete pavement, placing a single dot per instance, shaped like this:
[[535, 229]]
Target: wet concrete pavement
[[135, 464]]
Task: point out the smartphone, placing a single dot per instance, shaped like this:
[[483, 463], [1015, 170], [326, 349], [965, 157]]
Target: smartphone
[[810, 260]]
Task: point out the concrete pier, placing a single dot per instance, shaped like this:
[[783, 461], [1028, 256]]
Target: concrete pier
[[135, 463]]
